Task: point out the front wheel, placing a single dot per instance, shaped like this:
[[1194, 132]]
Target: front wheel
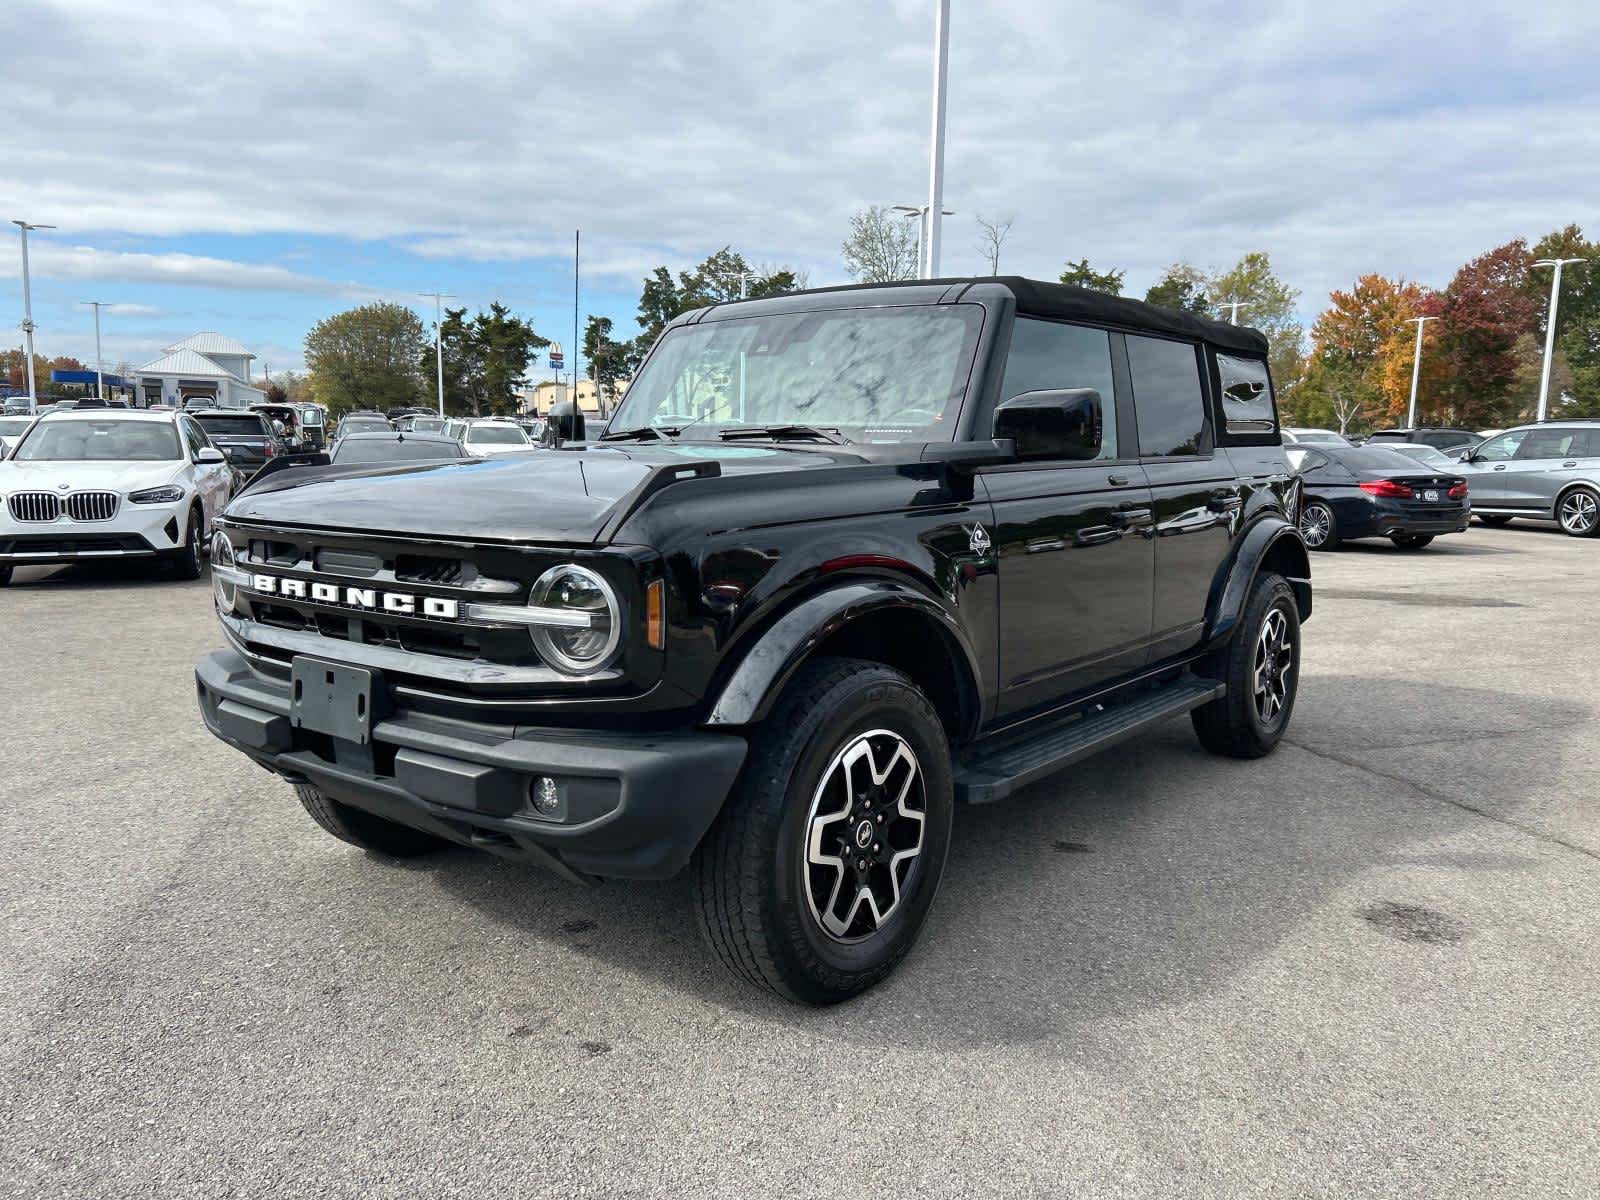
[[1412, 541], [819, 872], [1261, 666], [1579, 512], [1318, 527], [185, 563]]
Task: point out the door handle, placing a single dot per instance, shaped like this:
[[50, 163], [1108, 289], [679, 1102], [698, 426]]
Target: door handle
[[1118, 480], [1224, 501], [1501, 467], [1569, 464]]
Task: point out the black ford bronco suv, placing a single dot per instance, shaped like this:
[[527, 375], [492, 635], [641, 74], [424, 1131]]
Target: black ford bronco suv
[[840, 560]]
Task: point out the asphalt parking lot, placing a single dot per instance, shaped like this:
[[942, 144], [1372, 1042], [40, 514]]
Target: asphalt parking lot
[[1366, 966]]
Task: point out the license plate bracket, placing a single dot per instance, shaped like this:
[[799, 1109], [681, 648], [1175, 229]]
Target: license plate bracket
[[333, 699], [1431, 496]]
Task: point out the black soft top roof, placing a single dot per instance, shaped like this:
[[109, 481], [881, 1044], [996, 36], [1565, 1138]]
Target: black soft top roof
[[1065, 302]]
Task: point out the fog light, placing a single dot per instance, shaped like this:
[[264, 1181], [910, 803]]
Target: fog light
[[546, 795]]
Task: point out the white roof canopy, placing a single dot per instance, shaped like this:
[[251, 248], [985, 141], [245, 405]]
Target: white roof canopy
[[207, 342], [187, 363]]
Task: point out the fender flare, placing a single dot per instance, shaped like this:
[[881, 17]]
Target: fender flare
[[751, 690], [1233, 586]]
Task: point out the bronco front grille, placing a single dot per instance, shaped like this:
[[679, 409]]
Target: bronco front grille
[[92, 506], [34, 506]]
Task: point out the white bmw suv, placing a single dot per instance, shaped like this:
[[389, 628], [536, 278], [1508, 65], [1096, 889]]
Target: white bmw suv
[[103, 483]]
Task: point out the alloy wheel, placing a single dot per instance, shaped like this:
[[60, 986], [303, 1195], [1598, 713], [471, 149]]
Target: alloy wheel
[[1273, 662], [1579, 512], [1316, 523], [864, 835]]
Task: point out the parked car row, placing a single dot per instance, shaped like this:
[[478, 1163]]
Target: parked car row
[[1406, 486]]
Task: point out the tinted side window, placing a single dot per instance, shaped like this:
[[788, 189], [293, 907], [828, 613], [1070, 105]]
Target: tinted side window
[[1168, 396], [191, 434], [1247, 409], [1046, 356], [1546, 443], [1443, 438]]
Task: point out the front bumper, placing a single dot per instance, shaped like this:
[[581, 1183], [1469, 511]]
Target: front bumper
[[633, 805], [136, 531]]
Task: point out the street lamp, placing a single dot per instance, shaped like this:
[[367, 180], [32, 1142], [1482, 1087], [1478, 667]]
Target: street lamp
[[99, 374], [1233, 307], [27, 311], [919, 211], [1550, 329], [438, 339], [941, 70], [1416, 370]]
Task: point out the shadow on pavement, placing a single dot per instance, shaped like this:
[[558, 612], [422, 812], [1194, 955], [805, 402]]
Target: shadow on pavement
[[1136, 881]]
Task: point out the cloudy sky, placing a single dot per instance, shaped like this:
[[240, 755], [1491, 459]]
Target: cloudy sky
[[253, 166]]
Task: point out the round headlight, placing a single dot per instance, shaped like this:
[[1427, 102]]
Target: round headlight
[[222, 556], [583, 624]]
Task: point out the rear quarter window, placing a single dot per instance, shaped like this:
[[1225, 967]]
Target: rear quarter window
[[1248, 410]]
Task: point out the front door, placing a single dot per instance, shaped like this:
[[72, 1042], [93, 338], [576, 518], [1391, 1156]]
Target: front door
[[1489, 476], [1197, 498], [1076, 560]]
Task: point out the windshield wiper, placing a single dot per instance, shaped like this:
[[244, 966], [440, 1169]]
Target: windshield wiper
[[642, 433], [781, 433]]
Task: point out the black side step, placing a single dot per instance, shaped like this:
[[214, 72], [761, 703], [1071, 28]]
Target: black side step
[[992, 772]]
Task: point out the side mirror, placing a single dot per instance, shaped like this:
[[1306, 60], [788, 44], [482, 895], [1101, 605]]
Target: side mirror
[[1063, 423], [567, 421], [209, 456]]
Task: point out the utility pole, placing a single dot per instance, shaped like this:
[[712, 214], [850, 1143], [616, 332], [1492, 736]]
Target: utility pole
[[99, 373], [941, 71], [1416, 370], [1233, 307], [438, 340], [27, 312], [1550, 328]]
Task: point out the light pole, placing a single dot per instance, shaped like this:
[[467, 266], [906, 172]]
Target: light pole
[[1550, 328], [941, 71], [1416, 370], [438, 340], [99, 373], [1233, 307], [27, 311]]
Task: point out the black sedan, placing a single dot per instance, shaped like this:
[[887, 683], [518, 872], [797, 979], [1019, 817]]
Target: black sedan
[[1367, 491], [395, 447]]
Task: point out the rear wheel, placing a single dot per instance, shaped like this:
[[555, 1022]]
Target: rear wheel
[[361, 828], [1579, 512], [1493, 520], [1317, 526], [1261, 666], [816, 878], [1412, 541]]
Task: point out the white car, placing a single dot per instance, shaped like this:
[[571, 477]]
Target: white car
[[1302, 436], [491, 436], [103, 483]]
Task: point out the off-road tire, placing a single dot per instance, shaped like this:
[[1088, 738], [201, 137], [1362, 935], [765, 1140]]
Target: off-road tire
[[1331, 540], [749, 871], [1412, 541], [363, 829], [186, 563], [1233, 725], [1493, 520]]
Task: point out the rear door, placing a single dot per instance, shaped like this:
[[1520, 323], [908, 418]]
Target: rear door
[[1196, 495], [1076, 562], [1542, 467]]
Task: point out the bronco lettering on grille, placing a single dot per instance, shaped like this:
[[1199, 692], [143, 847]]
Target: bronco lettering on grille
[[370, 599]]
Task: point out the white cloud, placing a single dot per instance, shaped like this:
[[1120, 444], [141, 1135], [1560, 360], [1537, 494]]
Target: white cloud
[[1401, 137], [188, 270]]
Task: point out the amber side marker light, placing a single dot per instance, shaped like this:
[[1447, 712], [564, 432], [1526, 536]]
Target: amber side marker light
[[655, 623]]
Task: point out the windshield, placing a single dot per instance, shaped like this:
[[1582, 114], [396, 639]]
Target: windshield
[[364, 425], [1425, 454], [395, 450], [232, 426], [11, 426], [874, 374], [1375, 458], [100, 441], [427, 424], [496, 435]]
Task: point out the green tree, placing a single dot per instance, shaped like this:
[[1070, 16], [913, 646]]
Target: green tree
[[1575, 374], [486, 359], [1488, 307], [609, 361], [1182, 287], [366, 357], [716, 280], [1267, 303], [881, 246], [1081, 274]]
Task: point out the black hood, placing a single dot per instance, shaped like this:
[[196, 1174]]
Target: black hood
[[572, 496]]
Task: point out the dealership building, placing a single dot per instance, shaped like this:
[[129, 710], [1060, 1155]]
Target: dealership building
[[207, 366]]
